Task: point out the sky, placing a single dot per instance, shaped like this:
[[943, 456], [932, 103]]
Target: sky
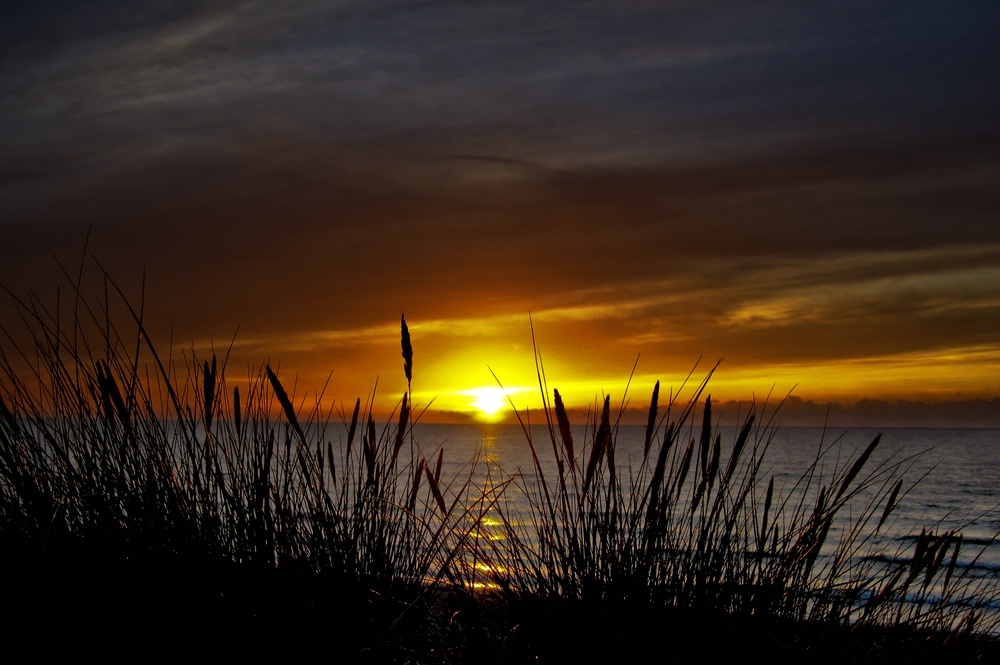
[[802, 197]]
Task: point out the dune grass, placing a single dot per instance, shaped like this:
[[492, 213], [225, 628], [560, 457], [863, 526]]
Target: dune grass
[[144, 484]]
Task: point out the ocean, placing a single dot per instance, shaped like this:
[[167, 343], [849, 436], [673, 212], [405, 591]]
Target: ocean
[[950, 478]]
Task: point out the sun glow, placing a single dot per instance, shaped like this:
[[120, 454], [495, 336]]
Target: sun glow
[[489, 401], [485, 404]]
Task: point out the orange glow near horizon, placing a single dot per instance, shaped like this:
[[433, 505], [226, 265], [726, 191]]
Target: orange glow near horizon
[[470, 370], [490, 402], [484, 404], [485, 376], [909, 377]]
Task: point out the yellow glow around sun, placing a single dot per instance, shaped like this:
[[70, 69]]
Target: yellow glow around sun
[[487, 404], [489, 401]]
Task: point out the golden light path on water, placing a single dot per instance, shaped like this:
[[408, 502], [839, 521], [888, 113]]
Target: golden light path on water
[[490, 525]]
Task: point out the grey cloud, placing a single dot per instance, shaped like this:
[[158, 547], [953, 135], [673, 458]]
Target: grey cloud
[[581, 85]]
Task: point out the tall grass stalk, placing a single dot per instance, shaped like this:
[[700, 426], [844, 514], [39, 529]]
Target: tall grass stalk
[[115, 457], [696, 524], [111, 452]]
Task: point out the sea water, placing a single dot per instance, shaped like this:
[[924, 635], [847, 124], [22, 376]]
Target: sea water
[[951, 477]]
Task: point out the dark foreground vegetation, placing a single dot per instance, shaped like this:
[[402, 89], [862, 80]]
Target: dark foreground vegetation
[[146, 507]]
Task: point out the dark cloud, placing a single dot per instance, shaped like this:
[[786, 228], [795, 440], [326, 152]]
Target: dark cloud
[[595, 85]]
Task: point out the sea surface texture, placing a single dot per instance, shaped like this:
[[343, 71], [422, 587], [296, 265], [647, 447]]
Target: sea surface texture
[[950, 479]]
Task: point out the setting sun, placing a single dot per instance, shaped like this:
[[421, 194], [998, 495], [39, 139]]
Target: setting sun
[[487, 404], [489, 401]]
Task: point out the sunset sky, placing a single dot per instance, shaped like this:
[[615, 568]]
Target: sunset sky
[[806, 191]]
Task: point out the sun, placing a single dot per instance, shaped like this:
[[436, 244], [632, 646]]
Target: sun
[[485, 404], [489, 401]]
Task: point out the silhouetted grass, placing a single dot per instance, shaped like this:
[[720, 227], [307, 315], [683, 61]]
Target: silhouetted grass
[[143, 499]]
